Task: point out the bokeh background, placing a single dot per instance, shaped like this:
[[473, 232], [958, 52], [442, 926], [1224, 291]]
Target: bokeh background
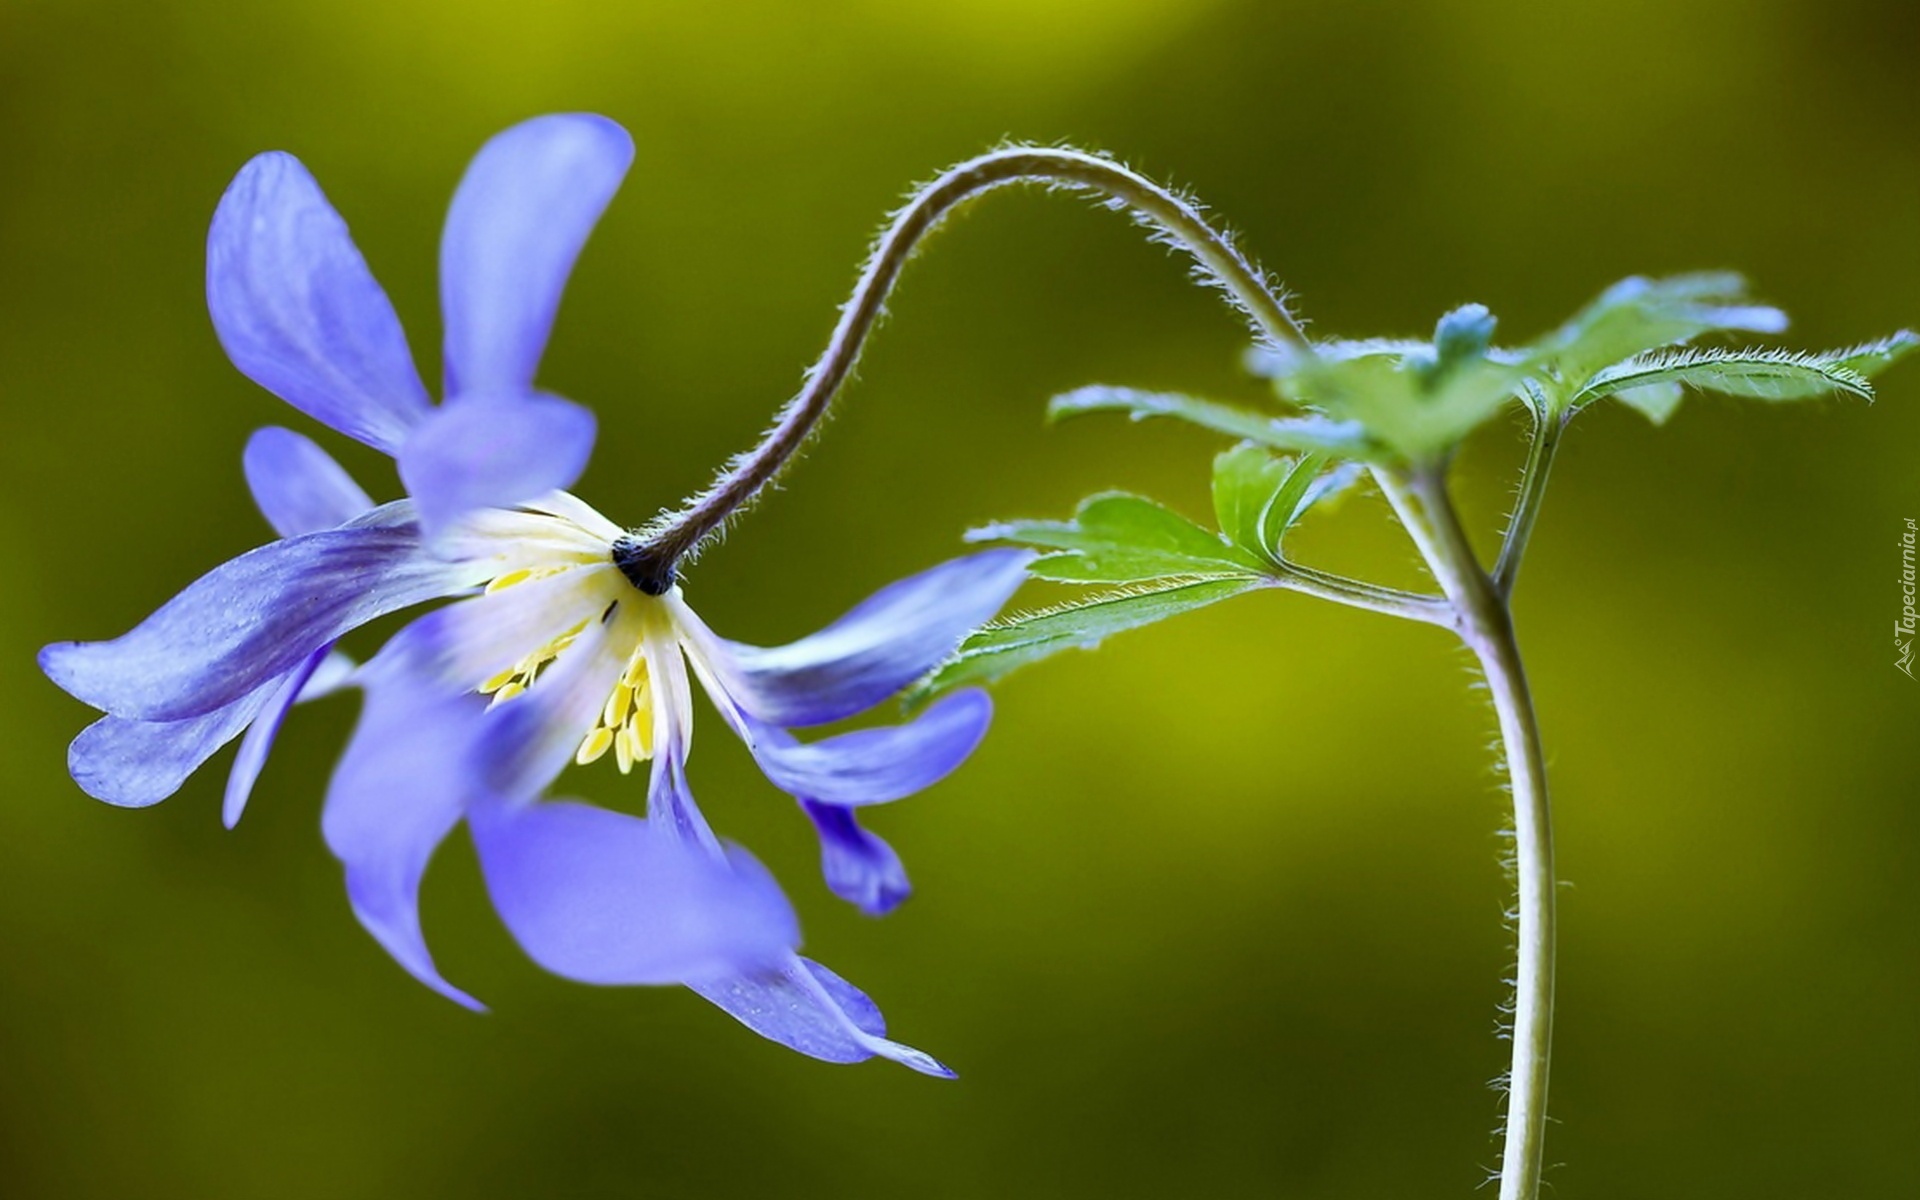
[[1217, 910]]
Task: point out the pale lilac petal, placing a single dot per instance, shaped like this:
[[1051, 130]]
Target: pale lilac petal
[[137, 763], [669, 797], [888, 641], [874, 766], [298, 486], [252, 619], [606, 898], [518, 221], [808, 1008], [334, 673], [859, 866], [494, 451], [298, 311], [399, 789], [472, 640], [526, 742], [254, 748]]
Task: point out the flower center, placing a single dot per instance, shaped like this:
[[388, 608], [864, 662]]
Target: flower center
[[625, 723]]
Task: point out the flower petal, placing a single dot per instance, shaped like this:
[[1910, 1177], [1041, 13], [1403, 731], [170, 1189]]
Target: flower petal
[[334, 673], [888, 641], [298, 486], [298, 311], [808, 1008], [137, 763], [526, 742], [471, 640], [874, 766], [494, 450], [518, 221], [402, 785], [252, 619], [859, 866], [254, 748], [607, 898]]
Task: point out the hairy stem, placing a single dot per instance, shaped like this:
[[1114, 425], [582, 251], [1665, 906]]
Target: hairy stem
[[1356, 593], [1547, 429], [650, 556], [1486, 624]]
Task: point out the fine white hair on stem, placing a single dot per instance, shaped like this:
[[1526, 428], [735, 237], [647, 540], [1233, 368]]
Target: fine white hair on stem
[[650, 555]]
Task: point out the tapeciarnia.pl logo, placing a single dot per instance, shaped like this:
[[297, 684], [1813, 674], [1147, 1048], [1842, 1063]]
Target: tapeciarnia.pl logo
[[1904, 627]]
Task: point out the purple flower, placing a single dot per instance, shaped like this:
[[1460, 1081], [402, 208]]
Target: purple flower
[[549, 656]]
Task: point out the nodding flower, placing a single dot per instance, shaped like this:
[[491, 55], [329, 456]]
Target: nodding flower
[[550, 655]]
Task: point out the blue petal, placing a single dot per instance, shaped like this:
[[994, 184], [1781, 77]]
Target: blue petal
[[252, 619], [884, 644], [298, 311], [334, 673], [476, 638], [254, 748], [518, 221], [874, 766], [859, 866], [526, 742], [494, 451], [397, 792], [606, 898], [137, 763], [808, 1008], [298, 486]]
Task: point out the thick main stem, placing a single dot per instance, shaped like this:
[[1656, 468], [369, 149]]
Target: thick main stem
[[649, 557], [1486, 624]]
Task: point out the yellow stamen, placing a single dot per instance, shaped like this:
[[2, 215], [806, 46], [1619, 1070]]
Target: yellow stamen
[[508, 691], [618, 706], [509, 579], [635, 675], [622, 752], [595, 746], [640, 732], [501, 680]]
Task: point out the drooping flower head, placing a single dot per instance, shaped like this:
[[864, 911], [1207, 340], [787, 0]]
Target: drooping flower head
[[550, 654]]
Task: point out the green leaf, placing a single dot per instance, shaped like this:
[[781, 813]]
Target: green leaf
[[1281, 433], [1258, 496], [1870, 358], [1247, 481], [1416, 400], [1117, 538], [1017, 641], [1637, 315], [1656, 401], [1764, 374], [1412, 402]]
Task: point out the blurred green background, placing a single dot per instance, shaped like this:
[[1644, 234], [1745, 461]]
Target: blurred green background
[[1216, 911]]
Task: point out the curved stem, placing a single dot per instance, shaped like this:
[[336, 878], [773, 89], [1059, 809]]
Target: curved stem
[[1547, 429], [1422, 502], [650, 556]]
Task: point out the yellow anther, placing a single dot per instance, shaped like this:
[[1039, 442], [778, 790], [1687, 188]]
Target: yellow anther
[[635, 675], [618, 706], [622, 753], [509, 579], [596, 745], [639, 737], [499, 681], [509, 691]]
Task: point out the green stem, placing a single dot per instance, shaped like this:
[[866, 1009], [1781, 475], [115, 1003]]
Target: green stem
[[1357, 593], [1486, 625], [1547, 429]]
